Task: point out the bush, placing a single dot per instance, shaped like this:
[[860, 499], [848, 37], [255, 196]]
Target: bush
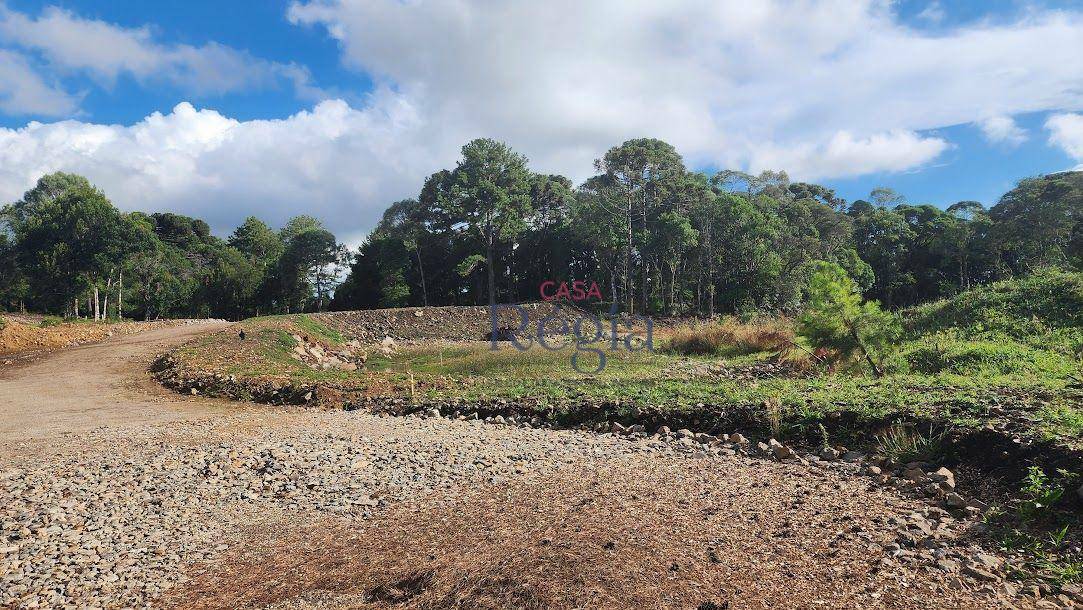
[[944, 353], [903, 444], [49, 321], [837, 320], [731, 337], [1029, 309]]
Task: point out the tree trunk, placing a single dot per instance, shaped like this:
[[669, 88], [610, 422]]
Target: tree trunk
[[628, 289], [97, 305], [120, 297], [489, 271], [421, 270]]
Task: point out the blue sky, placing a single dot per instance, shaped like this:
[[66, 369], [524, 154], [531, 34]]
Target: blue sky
[[339, 107]]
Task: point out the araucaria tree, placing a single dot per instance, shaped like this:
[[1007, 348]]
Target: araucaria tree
[[490, 190], [836, 318]]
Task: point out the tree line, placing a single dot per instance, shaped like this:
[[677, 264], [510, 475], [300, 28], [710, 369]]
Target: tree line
[[65, 249], [656, 236], [666, 239]]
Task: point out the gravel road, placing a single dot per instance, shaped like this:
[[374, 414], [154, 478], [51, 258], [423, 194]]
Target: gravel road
[[114, 493]]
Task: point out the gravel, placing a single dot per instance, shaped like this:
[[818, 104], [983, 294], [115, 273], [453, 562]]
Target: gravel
[[114, 523], [117, 518]]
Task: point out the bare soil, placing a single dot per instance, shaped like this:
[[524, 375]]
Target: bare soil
[[512, 518]]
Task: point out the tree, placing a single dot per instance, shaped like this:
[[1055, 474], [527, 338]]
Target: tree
[[1038, 222], [885, 197], [835, 318], [69, 237], [882, 239], [639, 175], [308, 265], [257, 242], [675, 237], [491, 193]]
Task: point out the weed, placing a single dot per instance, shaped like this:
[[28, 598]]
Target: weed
[[1040, 493], [903, 444], [731, 337], [825, 440], [773, 412], [50, 321]]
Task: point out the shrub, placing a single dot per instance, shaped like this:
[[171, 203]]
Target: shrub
[[945, 354], [50, 321], [836, 319], [1029, 309], [1041, 492]]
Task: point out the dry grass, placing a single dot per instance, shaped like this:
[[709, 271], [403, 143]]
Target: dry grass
[[732, 337]]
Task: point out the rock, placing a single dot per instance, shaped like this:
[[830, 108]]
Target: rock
[[873, 471], [829, 453], [988, 562], [979, 573], [916, 475], [954, 500], [738, 439], [685, 433], [853, 456], [419, 314], [945, 478]]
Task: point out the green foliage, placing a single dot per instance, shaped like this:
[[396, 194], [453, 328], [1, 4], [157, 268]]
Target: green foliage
[[50, 321], [1041, 493], [836, 319], [943, 353], [904, 444], [1044, 309]]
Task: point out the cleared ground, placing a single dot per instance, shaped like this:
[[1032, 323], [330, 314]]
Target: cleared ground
[[113, 493]]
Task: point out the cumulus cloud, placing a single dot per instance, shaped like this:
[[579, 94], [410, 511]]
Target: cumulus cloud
[[1002, 130], [822, 89], [728, 83], [336, 162], [1066, 131], [71, 44]]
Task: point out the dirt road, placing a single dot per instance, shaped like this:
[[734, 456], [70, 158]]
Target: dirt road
[[102, 384], [152, 499]]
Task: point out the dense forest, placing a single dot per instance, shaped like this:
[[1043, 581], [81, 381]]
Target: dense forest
[[655, 236]]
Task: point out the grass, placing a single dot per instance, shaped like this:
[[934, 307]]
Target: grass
[[954, 366], [903, 444], [730, 337]]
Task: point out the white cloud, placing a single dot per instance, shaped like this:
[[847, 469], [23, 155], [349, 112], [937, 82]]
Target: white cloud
[[728, 83], [339, 163], [844, 155], [933, 13], [1002, 130], [1066, 131], [24, 91], [822, 89], [71, 44]]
